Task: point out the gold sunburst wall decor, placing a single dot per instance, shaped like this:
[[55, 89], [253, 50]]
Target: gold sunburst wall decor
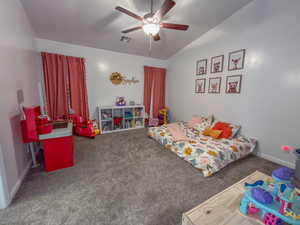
[[116, 78]]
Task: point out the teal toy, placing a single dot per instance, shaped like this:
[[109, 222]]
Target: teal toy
[[276, 202]]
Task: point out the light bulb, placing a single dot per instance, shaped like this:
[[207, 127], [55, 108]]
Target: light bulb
[[151, 27]]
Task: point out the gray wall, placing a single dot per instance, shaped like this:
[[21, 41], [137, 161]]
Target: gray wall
[[268, 107], [18, 71]]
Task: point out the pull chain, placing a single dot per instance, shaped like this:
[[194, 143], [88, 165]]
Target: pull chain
[[151, 7], [150, 44]]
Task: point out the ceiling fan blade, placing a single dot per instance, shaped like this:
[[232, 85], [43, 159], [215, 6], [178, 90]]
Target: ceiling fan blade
[[126, 11], [175, 26], [131, 29], [165, 8], [156, 37]]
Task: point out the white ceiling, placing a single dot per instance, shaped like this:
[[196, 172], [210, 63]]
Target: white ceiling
[[95, 23]]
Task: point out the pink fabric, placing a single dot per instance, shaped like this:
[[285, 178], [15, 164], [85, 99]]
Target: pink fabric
[[194, 121], [55, 74], [65, 85], [159, 77], [77, 86], [148, 79], [153, 122], [177, 132]]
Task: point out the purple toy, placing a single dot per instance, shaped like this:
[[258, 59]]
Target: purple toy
[[283, 173], [261, 195]]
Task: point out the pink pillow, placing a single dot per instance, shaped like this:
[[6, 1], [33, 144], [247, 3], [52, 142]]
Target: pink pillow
[[177, 132], [194, 121]]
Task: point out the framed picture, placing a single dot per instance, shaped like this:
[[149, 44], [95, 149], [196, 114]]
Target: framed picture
[[200, 85], [233, 84], [214, 85], [236, 60], [201, 67], [217, 64]]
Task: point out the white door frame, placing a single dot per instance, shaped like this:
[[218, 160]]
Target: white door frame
[[4, 194]]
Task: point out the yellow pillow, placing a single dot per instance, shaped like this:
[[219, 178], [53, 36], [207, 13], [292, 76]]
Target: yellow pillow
[[215, 134], [207, 131]]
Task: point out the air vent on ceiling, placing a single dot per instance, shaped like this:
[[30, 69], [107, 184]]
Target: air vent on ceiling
[[125, 39]]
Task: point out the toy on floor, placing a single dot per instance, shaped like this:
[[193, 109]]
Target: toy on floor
[[296, 153], [83, 127], [275, 201], [164, 116], [153, 122]]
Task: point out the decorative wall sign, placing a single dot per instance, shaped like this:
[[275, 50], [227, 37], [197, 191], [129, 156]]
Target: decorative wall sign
[[116, 78], [130, 81], [201, 67], [236, 60], [233, 84], [214, 85], [217, 63], [200, 85]]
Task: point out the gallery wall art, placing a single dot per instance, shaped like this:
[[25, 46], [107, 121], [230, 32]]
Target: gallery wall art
[[201, 67], [233, 84], [214, 85], [236, 60], [216, 64], [200, 85]]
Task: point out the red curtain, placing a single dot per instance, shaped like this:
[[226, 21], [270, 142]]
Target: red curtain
[[77, 86], [55, 70], [158, 90], [154, 85], [65, 85], [148, 81]]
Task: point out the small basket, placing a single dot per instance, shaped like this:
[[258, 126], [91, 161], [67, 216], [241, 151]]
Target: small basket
[[45, 128]]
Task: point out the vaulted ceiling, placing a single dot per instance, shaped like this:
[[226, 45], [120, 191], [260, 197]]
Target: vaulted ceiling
[[95, 23]]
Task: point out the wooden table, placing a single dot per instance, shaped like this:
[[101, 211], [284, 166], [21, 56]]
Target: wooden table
[[223, 208]]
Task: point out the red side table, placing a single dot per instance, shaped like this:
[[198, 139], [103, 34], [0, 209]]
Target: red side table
[[58, 148]]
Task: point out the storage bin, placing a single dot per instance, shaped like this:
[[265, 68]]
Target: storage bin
[[45, 128]]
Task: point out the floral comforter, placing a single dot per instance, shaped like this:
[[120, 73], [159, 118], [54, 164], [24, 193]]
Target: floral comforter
[[205, 153]]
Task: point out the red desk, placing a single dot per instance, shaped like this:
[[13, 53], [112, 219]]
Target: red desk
[[58, 148]]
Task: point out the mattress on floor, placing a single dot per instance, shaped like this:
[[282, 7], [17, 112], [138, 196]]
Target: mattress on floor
[[205, 153]]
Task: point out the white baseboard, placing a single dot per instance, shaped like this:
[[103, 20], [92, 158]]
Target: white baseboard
[[276, 160], [19, 182]]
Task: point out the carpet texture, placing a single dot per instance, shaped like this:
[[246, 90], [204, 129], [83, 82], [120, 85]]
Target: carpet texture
[[123, 178]]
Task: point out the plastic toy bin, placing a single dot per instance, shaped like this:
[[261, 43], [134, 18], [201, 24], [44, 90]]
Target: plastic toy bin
[[58, 148], [58, 153]]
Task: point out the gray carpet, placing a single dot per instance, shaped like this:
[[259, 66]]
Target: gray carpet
[[123, 178]]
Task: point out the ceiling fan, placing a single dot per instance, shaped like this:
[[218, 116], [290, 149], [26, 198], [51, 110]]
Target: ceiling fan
[[151, 23]]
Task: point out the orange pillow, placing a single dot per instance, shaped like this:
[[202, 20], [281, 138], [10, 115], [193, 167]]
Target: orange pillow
[[215, 134], [220, 125], [207, 131], [225, 127], [227, 132]]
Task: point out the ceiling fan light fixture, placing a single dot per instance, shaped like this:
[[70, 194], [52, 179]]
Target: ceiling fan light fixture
[[151, 28]]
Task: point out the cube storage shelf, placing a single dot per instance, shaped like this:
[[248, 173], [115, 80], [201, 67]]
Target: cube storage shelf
[[120, 118]]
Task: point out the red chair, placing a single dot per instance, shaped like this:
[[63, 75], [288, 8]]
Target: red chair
[[83, 127]]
